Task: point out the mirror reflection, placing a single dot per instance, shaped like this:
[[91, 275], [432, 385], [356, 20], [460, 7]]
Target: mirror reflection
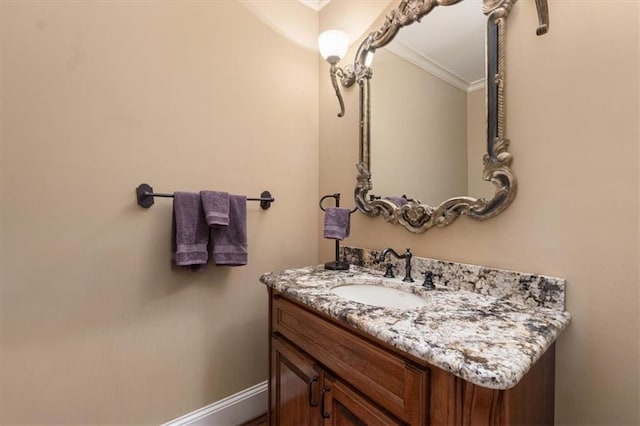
[[428, 108]]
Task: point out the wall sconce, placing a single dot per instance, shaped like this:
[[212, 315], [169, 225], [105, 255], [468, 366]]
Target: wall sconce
[[333, 45]]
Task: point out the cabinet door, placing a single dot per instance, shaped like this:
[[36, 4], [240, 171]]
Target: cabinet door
[[342, 406], [295, 386]]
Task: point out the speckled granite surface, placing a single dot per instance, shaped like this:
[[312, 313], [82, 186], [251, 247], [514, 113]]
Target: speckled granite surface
[[529, 289], [487, 340]]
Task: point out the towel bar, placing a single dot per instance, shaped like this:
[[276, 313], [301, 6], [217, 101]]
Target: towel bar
[[337, 198], [145, 195]]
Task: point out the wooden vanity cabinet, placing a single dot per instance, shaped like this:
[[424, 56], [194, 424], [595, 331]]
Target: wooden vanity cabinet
[[325, 373]]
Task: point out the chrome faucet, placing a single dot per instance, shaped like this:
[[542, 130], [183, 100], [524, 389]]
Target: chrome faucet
[[407, 258]]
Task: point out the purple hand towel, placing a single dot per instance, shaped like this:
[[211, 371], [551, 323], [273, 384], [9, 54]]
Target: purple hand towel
[[216, 207], [398, 201], [191, 232], [336, 223], [230, 242]]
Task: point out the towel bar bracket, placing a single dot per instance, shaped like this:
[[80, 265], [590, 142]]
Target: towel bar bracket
[[145, 195], [144, 199], [266, 200]]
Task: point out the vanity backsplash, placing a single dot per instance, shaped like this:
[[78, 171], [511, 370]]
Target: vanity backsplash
[[529, 289]]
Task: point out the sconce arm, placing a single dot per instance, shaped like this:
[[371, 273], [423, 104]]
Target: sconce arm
[[543, 17], [346, 75], [333, 72], [347, 78]]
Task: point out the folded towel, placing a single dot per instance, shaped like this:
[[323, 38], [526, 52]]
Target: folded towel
[[398, 201], [216, 207], [336, 223], [191, 233], [230, 242]]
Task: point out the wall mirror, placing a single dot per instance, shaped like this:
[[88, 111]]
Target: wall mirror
[[432, 139]]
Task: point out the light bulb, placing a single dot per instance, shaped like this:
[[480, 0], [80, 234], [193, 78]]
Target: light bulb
[[333, 45]]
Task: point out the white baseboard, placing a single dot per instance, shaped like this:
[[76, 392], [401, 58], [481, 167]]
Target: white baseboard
[[230, 411]]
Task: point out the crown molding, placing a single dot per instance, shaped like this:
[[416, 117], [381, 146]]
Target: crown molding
[[477, 85], [316, 5], [434, 68]]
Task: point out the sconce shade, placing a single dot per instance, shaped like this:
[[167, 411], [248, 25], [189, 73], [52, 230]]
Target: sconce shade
[[333, 45]]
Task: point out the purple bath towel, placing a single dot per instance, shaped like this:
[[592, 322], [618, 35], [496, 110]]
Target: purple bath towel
[[230, 242], [336, 223], [216, 207], [191, 232]]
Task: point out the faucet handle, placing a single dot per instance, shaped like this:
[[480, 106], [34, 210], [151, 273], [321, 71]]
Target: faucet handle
[[428, 281], [388, 273]]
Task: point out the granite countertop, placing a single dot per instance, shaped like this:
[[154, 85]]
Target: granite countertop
[[489, 341]]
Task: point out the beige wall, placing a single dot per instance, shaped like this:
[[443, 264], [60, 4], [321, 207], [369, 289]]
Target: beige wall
[[572, 118], [98, 97], [418, 132]]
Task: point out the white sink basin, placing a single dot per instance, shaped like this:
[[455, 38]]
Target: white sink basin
[[377, 295]]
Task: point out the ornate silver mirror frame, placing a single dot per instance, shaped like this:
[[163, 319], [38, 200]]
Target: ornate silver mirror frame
[[414, 216]]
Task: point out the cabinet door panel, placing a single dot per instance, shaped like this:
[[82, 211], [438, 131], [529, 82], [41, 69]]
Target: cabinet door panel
[[387, 379], [345, 407], [294, 386]]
